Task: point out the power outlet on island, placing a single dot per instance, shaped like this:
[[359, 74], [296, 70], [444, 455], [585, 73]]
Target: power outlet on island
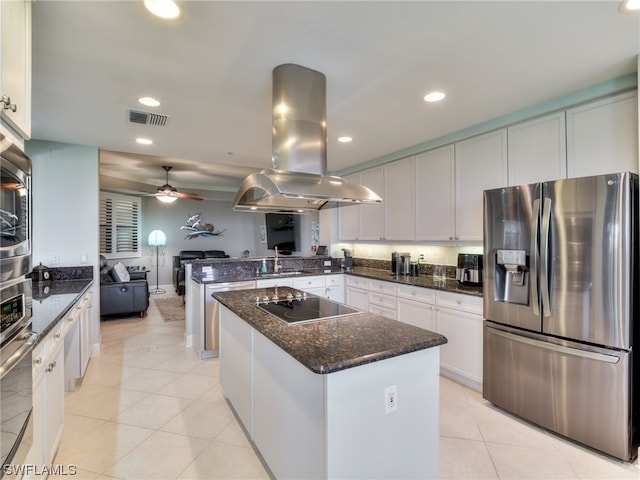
[[390, 399]]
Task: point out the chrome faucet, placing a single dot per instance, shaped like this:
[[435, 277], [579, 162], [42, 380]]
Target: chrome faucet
[[276, 262]]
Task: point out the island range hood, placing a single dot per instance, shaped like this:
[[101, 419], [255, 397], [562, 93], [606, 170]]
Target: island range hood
[[298, 181]]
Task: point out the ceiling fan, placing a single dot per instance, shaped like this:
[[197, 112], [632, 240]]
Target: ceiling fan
[[168, 193]]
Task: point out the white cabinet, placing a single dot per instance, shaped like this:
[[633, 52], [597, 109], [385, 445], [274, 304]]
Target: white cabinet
[[363, 222], [357, 292], [481, 164], [416, 306], [372, 217], [334, 287], [48, 397], [398, 200], [382, 298], [78, 343], [15, 65], [537, 150], [274, 282], [459, 318], [434, 194], [313, 284], [602, 136]]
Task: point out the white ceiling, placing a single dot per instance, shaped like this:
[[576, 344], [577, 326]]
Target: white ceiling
[[211, 69]]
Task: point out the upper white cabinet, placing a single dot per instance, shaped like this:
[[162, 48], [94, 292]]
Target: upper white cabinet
[[481, 164], [602, 136], [398, 200], [364, 221], [15, 65], [537, 150], [434, 194], [372, 216]]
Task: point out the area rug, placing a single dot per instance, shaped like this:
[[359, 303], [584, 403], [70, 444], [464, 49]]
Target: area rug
[[171, 309]]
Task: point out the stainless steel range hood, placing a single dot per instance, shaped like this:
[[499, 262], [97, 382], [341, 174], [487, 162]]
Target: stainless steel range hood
[[298, 181]]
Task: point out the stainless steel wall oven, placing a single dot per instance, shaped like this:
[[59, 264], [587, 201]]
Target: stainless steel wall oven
[[16, 336]]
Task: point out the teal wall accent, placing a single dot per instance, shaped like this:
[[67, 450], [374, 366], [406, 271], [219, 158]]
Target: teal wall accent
[[611, 87]]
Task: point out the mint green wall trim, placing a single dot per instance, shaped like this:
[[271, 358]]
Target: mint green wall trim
[[611, 87]]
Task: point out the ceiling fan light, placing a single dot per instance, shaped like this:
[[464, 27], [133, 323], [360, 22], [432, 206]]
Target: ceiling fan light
[[166, 197]]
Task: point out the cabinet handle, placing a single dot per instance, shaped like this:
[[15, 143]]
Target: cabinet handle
[[58, 335], [37, 361], [7, 105], [459, 302], [413, 293], [52, 365]]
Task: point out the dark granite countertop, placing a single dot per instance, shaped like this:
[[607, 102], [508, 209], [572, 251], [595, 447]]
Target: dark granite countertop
[[52, 301], [425, 281], [330, 345]]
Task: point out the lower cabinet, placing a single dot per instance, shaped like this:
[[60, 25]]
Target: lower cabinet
[[456, 316], [48, 397], [78, 339]]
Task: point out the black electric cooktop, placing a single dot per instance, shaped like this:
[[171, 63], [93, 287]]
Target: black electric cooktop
[[304, 309]]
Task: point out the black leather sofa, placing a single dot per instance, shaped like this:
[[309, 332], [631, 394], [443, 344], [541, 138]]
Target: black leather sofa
[[186, 256], [120, 298]]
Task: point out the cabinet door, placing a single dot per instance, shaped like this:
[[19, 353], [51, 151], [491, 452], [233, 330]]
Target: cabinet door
[[398, 200], [54, 372], [349, 216], [481, 164], [86, 332], [358, 298], [15, 67], [372, 216], [335, 293], [434, 191], [537, 150], [602, 137], [461, 356], [415, 313]]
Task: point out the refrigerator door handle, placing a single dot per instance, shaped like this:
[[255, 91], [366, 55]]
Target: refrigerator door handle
[[544, 257], [601, 357], [533, 255]]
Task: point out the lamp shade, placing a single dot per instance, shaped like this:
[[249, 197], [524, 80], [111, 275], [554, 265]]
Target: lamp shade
[[157, 238]]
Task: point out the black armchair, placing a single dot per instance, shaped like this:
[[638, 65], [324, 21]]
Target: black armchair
[[185, 256], [124, 297]]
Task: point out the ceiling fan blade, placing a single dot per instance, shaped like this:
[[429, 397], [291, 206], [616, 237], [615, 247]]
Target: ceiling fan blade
[[189, 196]]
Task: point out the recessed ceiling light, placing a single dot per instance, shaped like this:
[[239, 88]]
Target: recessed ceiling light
[[163, 8], [344, 139], [149, 101], [144, 141], [630, 6], [434, 97]]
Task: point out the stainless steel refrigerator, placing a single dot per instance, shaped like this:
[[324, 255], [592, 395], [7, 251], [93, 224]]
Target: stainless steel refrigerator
[[560, 307]]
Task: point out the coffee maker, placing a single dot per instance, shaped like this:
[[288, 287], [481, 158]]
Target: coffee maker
[[469, 270]]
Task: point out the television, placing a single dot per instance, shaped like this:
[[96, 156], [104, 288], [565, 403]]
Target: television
[[281, 231]]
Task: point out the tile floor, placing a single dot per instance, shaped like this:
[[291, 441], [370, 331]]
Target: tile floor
[[149, 409]]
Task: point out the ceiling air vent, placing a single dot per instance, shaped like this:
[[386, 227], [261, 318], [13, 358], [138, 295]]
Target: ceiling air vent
[[147, 118]]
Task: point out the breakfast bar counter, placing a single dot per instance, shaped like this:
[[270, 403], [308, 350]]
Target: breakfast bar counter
[[352, 396]]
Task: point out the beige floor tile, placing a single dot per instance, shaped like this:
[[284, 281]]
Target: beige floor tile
[[162, 456], [189, 386], [100, 402], [101, 448], [109, 375], [149, 381], [465, 459], [201, 419], [225, 461], [153, 412]]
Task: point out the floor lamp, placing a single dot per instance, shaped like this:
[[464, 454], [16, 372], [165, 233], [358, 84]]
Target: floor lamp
[[157, 239]]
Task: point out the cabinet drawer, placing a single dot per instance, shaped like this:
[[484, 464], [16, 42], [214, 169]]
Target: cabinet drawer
[[418, 294], [334, 280], [467, 303], [385, 312], [380, 286], [305, 283], [357, 282], [383, 300]]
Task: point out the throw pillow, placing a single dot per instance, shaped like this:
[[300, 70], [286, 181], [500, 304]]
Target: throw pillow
[[120, 273]]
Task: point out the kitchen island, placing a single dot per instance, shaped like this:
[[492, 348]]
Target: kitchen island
[[347, 397]]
